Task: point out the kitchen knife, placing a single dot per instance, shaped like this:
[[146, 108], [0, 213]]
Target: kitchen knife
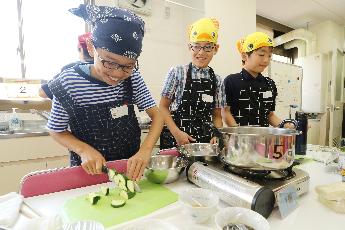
[[107, 171]]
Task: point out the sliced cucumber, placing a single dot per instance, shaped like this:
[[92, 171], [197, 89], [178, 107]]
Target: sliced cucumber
[[122, 186], [111, 173], [105, 191], [124, 194], [117, 203], [122, 178], [93, 198], [130, 194], [116, 179], [130, 186]]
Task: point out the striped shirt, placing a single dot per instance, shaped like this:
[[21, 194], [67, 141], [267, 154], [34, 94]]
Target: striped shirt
[[89, 91], [176, 80]]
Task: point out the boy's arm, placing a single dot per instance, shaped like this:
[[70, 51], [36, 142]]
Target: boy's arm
[[180, 136], [274, 120], [92, 160], [217, 118], [137, 163], [228, 118]]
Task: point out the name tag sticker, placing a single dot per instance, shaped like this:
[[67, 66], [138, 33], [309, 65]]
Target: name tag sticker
[[118, 112], [287, 201], [267, 94], [207, 98]]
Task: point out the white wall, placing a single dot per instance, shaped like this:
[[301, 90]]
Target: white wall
[[329, 35], [237, 19]]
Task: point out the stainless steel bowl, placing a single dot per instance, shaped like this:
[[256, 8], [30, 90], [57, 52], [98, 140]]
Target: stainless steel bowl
[[164, 169], [199, 151]]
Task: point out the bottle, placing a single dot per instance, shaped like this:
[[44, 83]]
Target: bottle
[[301, 139], [14, 123]]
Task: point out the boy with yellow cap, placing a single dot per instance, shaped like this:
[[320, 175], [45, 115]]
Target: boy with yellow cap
[[249, 95], [193, 94]]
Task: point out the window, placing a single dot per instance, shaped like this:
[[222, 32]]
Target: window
[[50, 34]]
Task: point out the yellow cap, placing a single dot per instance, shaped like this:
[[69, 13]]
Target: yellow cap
[[204, 30], [254, 41]]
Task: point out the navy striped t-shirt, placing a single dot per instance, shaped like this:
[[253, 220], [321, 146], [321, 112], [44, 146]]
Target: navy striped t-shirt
[[87, 90]]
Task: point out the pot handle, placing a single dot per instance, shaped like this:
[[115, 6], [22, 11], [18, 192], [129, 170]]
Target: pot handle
[[293, 121], [216, 133]]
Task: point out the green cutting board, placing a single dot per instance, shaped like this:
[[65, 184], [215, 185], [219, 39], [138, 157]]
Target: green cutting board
[[152, 197]]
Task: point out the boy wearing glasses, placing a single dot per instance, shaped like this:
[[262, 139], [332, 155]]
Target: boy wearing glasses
[[97, 100], [193, 94]]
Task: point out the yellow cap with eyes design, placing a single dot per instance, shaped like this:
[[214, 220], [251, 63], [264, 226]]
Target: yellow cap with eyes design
[[254, 41], [204, 30]]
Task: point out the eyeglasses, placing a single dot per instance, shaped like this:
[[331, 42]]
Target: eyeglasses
[[197, 48], [113, 65]]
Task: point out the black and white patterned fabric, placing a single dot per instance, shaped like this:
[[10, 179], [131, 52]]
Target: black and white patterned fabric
[[193, 110], [250, 99], [115, 138]]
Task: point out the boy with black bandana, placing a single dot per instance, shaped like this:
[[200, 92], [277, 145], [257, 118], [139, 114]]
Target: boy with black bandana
[[97, 100]]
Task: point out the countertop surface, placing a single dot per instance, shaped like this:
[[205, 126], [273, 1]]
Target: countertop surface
[[310, 213]]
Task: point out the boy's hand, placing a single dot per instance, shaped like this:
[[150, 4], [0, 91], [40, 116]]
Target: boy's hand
[[137, 164], [183, 138], [213, 140], [92, 161], [289, 126]]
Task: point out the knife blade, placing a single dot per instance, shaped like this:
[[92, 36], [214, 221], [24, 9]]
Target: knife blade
[[107, 171]]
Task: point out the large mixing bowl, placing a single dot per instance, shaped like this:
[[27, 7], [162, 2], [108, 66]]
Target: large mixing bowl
[[164, 169], [257, 148], [199, 152]]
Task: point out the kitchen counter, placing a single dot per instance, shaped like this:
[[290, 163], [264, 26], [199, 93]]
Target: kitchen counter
[[310, 214]]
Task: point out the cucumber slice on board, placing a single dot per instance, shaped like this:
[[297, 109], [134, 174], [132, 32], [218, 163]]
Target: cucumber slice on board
[[122, 179], [93, 198], [130, 186], [117, 203], [130, 194], [122, 186], [124, 194], [105, 191]]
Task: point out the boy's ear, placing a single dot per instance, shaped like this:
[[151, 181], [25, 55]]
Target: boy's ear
[[216, 49], [244, 56], [89, 46]]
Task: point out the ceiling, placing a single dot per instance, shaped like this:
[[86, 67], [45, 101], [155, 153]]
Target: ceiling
[[302, 13]]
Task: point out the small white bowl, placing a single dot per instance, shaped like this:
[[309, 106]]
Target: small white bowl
[[233, 215], [200, 204]]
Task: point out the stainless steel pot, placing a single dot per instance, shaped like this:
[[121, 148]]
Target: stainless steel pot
[[257, 148]]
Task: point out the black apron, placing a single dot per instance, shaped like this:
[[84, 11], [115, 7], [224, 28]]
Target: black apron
[[193, 110], [115, 138], [258, 106]]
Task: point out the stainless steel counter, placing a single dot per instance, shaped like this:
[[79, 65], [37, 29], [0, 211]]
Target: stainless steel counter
[[22, 133]]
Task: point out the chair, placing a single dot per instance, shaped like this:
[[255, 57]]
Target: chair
[[56, 180]]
